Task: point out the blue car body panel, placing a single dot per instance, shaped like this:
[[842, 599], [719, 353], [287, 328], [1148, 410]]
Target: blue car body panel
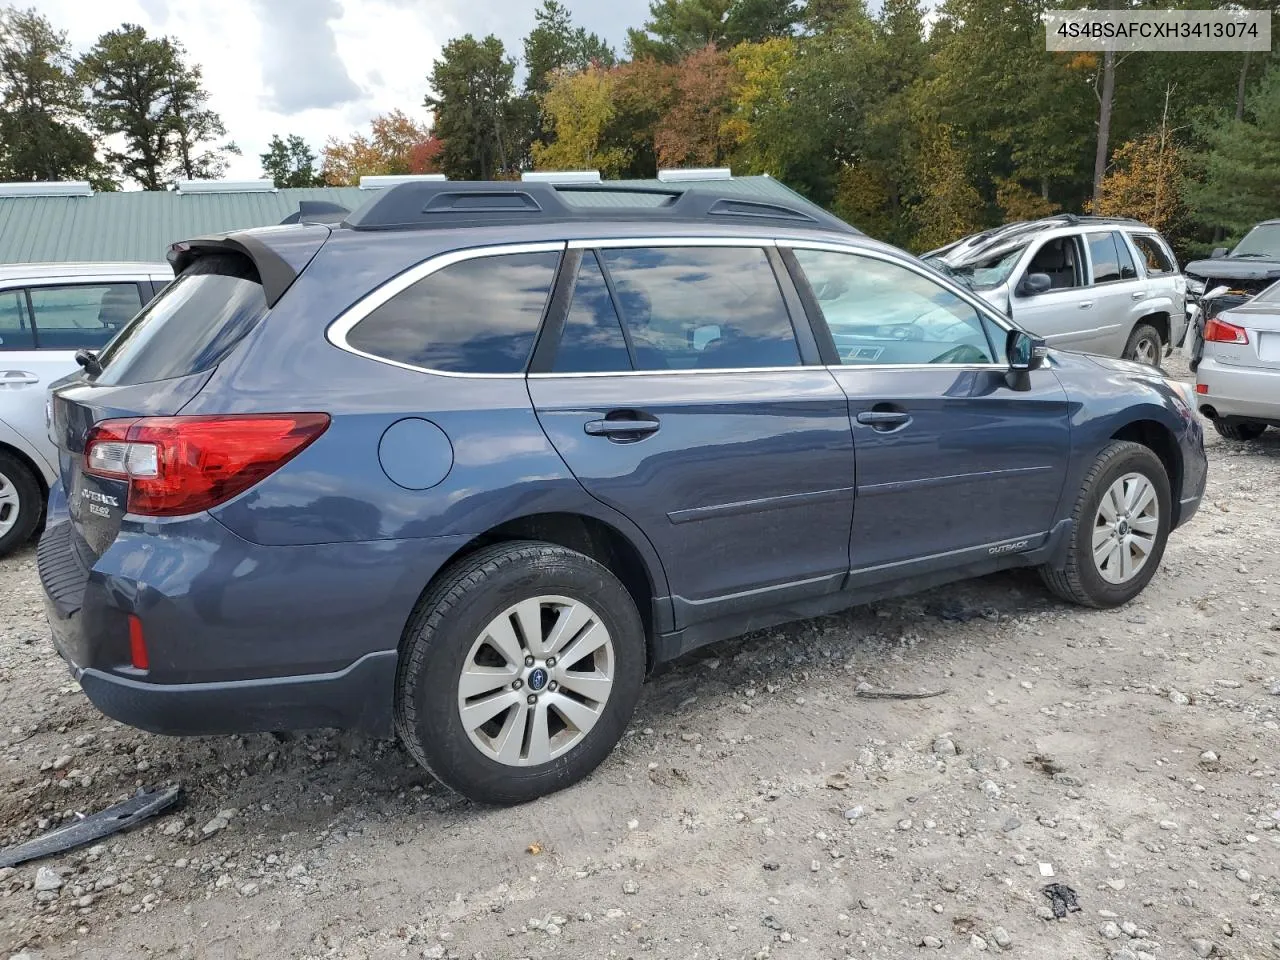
[[761, 498]]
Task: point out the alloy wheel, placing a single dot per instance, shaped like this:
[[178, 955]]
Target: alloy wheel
[[10, 505], [536, 680], [1125, 528], [1146, 351]]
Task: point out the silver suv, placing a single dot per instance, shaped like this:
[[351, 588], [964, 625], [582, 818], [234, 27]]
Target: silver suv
[[49, 311], [1092, 284]]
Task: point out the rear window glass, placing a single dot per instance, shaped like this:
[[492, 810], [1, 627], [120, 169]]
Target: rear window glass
[[190, 326], [475, 316], [1153, 253]]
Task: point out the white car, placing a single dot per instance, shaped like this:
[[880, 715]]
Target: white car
[[48, 311], [1093, 284]]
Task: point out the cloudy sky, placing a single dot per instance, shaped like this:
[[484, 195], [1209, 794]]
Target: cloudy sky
[[319, 67]]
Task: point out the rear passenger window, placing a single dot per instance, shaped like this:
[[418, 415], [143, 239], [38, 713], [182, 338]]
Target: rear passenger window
[[592, 340], [1102, 252], [15, 325], [1153, 254], [702, 308], [82, 315], [1127, 269], [475, 316]]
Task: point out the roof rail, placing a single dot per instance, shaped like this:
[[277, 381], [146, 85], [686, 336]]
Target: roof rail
[[490, 203]]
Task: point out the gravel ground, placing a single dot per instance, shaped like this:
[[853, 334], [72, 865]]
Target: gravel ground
[[757, 808]]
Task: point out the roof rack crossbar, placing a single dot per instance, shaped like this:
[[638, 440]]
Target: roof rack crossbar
[[455, 204]]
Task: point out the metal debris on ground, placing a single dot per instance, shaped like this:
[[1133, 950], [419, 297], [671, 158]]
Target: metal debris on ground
[[896, 695], [1062, 898], [114, 819]]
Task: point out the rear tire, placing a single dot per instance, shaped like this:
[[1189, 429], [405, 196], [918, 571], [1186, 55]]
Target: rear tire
[[490, 633], [21, 503], [1241, 430], [1144, 346], [1108, 564]]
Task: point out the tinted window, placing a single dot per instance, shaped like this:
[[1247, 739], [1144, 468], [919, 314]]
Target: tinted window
[[191, 326], [1102, 252], [82, 315], [592, 340], [702, 308], [476, 316], [1153, 253], [1127, 269], [15, 326], [883, 313]]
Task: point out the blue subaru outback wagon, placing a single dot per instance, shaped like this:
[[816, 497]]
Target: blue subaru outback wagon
[[463, 467]]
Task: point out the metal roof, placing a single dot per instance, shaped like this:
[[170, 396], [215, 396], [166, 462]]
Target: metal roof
[[140, 226]]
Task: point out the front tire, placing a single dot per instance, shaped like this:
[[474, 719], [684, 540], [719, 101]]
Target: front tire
[[1242, 430], [1121, 524], [21, 503], [1144, 346], [519, 672]]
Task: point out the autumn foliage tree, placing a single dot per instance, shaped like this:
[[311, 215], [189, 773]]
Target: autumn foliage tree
[[396, 145], [1145, 182], [579, 108], [694, 131]]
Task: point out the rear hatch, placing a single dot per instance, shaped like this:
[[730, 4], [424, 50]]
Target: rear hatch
[[156, 364], [1251, 336]]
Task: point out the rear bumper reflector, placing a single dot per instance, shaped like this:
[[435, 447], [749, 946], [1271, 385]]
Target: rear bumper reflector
[[137, 644]]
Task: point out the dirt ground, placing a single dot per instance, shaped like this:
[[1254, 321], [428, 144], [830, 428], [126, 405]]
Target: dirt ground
[[757, 808]]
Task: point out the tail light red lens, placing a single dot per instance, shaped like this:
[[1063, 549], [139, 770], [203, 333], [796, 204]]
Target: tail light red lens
[[181, 465], [137, 644], [1219, 331]]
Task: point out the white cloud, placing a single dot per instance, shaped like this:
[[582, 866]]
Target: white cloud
[[319, 68]]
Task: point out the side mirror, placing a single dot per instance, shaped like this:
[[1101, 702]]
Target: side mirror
[[1218, 253], [1035, 283], [1026, 353]]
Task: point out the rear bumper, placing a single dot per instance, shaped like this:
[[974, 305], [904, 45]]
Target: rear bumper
[[1238, 391], [355, 698]]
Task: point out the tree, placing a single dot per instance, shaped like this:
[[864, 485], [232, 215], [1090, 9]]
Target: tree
[[142, 91], [949, 206], [290, 163], [556, 44], [41, 104], [396, 146], [644, 92], [677, 28], [194, 124], [485, 129], [752, 21], [1240, 183], [693, 132], [579, 108]]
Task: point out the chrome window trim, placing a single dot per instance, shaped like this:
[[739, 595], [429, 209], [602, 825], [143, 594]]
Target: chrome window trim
[[607, 243], [337, 331], [798, 368]]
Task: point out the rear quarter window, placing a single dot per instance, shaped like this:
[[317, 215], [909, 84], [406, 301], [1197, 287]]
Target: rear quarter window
[[475, 316], [191, 326]]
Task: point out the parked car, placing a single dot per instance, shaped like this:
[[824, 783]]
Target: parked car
[[48, 311], [1092, 284], [1230, 278], [1238, 373], [468, 465]]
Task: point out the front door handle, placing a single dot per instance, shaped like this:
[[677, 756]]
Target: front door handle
[[1085, 305], [17, 378], [630, 428], [884, 419]]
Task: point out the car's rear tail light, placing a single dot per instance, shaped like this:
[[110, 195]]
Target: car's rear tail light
[[181, 465], [1219, 331], [137, 644]]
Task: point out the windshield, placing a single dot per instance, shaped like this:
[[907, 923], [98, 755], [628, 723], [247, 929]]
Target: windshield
[[987, 270], [1262, 241]]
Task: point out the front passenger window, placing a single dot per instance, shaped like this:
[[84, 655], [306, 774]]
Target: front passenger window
[[884, 313]]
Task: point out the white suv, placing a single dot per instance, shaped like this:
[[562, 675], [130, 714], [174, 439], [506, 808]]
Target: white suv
[[48, 311], [1093, 284]]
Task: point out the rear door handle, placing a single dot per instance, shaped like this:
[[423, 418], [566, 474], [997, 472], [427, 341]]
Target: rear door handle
[[884, 419], [631, 429], [1138, 295], [1085, 305], [17, 377]]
